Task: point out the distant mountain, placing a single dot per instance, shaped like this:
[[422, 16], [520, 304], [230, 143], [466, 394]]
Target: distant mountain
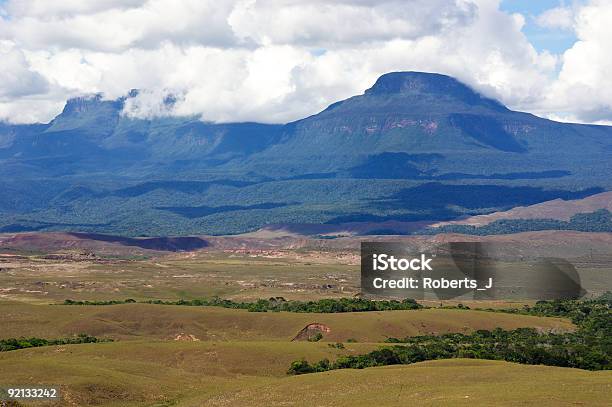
[[414, 147], [435, 127]]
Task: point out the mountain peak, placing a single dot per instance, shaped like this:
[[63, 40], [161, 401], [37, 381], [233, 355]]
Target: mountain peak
[[81, 104], [95, 101], [88, 113], [428, 84]]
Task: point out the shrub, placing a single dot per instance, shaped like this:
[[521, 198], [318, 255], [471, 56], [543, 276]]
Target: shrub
[[590, 347], [276, 304]]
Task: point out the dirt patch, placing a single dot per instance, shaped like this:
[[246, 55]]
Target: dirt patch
[[310, 330], [186, 337]]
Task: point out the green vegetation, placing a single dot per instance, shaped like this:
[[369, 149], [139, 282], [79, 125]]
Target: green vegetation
[[598, 221], [92, 169], [110, 302], [451, 382], [22, 343], [316, 337], [590, 347], [278, 304], [593, 317], [233, 373]]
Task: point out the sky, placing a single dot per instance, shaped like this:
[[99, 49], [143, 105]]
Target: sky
[[541, 36], [275, 61]]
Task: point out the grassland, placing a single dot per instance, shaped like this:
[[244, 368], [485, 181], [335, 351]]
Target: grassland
[[137, 373], [132, 321], [38, 279], [458, 382], [156, 373], [229, 355], [166, 355], [245, 269]]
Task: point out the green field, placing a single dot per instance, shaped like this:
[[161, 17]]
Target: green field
[[137, 373], [157, 372], [177, 355], [133, 321], [461, 382], [229, 355]]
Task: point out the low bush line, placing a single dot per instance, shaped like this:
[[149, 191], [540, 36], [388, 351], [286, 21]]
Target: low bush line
[[22, 343], [278, 304]]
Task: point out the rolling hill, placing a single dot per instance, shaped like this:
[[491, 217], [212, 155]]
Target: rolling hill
[[193, 374], [557, 209], [138, 321], [414, 147]]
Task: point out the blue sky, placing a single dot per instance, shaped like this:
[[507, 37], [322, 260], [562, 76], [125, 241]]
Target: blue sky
[[553, 40]]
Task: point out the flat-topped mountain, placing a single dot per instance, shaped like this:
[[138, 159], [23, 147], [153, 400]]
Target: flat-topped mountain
[[413, 147], [423, 86]]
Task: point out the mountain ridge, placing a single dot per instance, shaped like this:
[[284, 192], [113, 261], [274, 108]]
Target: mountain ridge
[[359, 159]]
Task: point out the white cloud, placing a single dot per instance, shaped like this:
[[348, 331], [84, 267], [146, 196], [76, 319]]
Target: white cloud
[[16, 77], [326, 23], [46, 8], [279, 60], [118, 27], [583, 89], [558, 17]]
